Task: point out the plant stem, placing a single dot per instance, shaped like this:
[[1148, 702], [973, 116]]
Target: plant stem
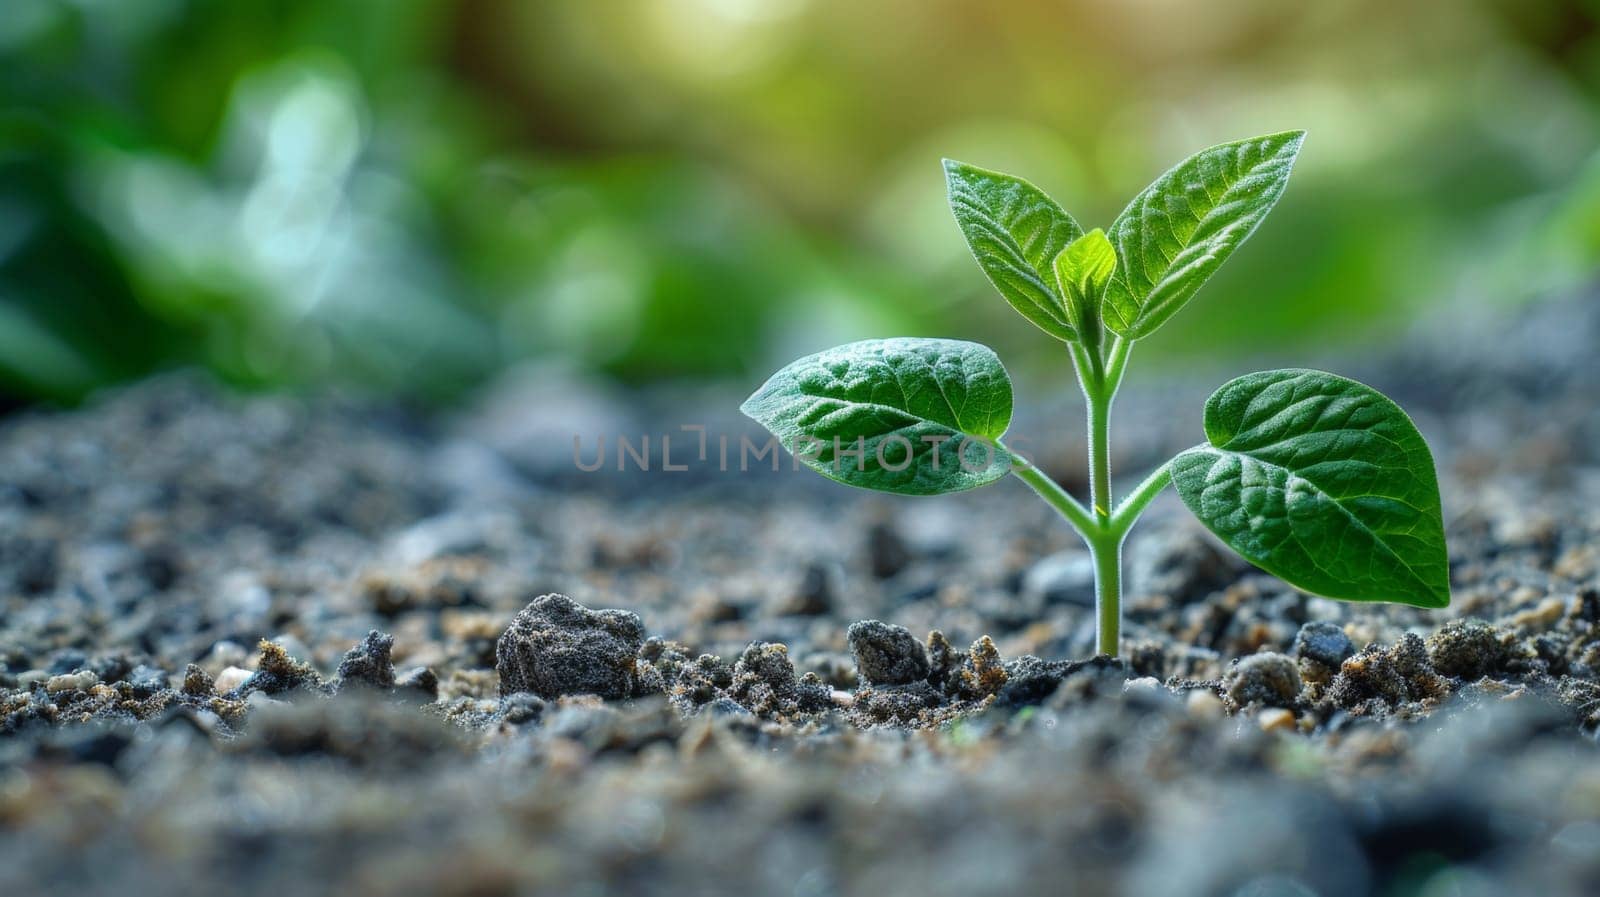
[[1106, 549], [1058, 498], [1126, 513], [1117, 362], [1105, 545], [1100, 455], [1100, 382], [1103, 530], [1104, 541]]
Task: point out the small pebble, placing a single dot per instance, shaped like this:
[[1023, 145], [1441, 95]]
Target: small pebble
[[1064, 578], [1143, 683], [78, 681], [420, 682], [886, 654], [1204, 705], [1272, 680], [522, 708], [1276, 719], [368, 664], [1542, 616], [230, 679], [196, 681], [146, 680], [223, 654], [556, 646], [260, 699], [1466, 649], [1324, 643]]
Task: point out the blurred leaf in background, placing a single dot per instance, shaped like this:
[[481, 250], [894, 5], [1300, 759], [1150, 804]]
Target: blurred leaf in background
[[410, 195], [204, 183]]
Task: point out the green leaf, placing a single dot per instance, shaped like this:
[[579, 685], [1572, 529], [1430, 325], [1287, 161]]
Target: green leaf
[[926, 415], [1082, 271], [1322, 482], [1015, 232], [1181, 228]]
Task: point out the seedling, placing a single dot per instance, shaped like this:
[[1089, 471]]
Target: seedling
[[1319, 480]]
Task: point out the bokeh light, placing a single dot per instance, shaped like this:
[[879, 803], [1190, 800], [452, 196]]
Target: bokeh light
[[411, 196]]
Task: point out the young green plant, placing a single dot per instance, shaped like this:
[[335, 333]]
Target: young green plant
[[1317, 479]]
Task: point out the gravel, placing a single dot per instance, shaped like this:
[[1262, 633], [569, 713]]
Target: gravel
[[1267, 680], [273, 645], [1323, 642], [556, 647], [886, 654]]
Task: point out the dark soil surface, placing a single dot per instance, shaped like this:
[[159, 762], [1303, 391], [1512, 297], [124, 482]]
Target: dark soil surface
[[285, 646]]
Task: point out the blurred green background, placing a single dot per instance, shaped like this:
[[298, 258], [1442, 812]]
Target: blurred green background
[[408, 195]]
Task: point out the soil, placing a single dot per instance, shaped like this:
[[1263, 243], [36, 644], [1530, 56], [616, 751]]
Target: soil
[[276, 645]]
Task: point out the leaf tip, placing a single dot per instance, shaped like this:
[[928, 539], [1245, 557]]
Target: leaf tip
[[1293, 140], [751, 407]]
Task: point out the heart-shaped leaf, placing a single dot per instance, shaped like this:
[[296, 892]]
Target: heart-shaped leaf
[[913, 416], [1082, 271], [1015, 232], [1322, 482], [1175, 234]]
